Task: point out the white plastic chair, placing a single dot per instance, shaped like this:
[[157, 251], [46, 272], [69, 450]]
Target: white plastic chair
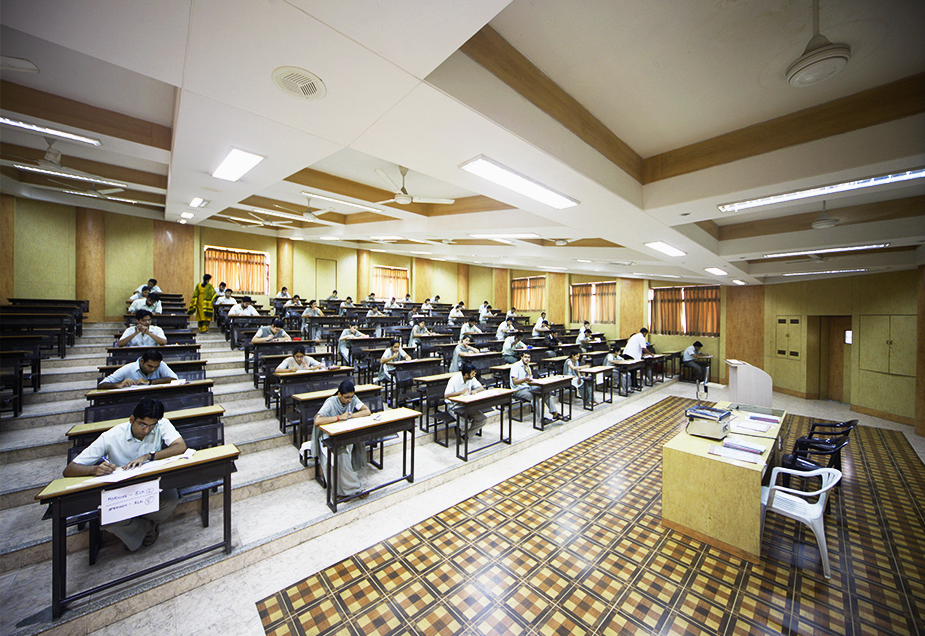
[[793, 504]]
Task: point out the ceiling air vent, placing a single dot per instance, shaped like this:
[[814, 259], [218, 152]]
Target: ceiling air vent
[[299, 83]]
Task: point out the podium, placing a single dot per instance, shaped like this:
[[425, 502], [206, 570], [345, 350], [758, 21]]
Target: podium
[[749, 384]]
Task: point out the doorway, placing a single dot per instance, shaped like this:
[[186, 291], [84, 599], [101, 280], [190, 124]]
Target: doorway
[[835, 357]]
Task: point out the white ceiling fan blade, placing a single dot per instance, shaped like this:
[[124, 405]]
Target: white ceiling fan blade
[[432, 200], [108, 191], [392, 186], [387, 201]]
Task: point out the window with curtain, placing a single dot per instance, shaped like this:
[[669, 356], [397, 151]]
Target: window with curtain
[[388, 282], [689, 311], [529, 293], [596, 302], [243, 271]]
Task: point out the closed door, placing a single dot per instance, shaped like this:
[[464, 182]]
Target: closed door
[[838, 353]]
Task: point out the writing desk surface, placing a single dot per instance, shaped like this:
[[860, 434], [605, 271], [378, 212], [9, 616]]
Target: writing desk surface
[[68, 485], [98, 393], [300, 373], [418, 361], [481, 395], [376, 419], [100, 427], [438, 377], [326, 393], [597, 369], [550, 379]]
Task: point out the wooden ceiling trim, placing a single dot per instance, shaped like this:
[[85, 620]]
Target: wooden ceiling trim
[[850, 215], [13, 152], [469, 205], [345, 187], [505, 62], [68, 112], [589, 242], [364, 217], [710, 227], [889, 102], [480, 242]]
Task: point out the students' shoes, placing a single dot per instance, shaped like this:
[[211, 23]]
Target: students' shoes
[[546, 420], [151, 537], [557, 416]]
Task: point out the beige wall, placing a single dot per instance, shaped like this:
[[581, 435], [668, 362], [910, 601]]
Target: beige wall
[[43, 246], [480, 286], [304, 255], [445, 283]]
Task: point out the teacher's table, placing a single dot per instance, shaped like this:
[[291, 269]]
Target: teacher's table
[[70, 496], [548, 385], [481, 401], [715, 499], [361, 430], [107, 404]]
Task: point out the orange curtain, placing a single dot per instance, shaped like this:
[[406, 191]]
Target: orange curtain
[[244, 272], [701, 311], [389, 282], [605, 303], [580, 296], [519, 297], [666, 311], [529, 293]]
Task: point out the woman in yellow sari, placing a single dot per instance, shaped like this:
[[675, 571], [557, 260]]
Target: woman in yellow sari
[[201, 303]]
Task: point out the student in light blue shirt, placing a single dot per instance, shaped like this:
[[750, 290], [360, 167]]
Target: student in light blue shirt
[[150, 368]]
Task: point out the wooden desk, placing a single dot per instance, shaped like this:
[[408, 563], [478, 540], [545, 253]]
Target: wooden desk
[[308, 404], [55, 324], [431, 388], [75, 314], [301, 382], [115, 403], [11, 377], [591, 374], [479, 402], [164, 321], [548, 385], [124, 355], [238, 323], [271, 347], [361, 430], [714, 499], [70, 496], [84, 434], [185, 369], [268, 363], [404, 372], [61, 302], [31, 346], [624, 368]]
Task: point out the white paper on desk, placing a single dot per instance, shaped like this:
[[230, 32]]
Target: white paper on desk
[[124, 503], [741, 456], [121, 475], [177, 382], [748, 427]]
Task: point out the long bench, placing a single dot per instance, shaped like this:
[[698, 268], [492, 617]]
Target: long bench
[[56, 325], [124, 355], [109, 404]]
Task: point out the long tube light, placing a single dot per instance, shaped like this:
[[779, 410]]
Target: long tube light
[[503, 176], [51, 132], [826, 190], [340, 201], [69, 175], [664, 248], [828, 271], [831, 250]]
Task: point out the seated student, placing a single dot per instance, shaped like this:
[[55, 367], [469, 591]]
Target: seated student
[[221, 288], [584, 339], [469, 327], [283, 293], [464, 383], [689, 359], [311, 330], [512, 313], [374, 311], [420, 329], [295, 301], [504, 329], [613, 359], [465, 346], [485, 313], [298, 361], [407, 299], [152, 287], [455, 314], [344, 306], [371, 298], [128, 445], [521, 375], [226, 298], [393, 304], [340, 407], [243, 308], [584, 385], [143, 334], [151, 302], [390, 355], [585, 328], [350, 333], [333, 296], [134, 298], [512, 344], [540, 329], [426, 307], [635, 348], [540, 320], [551, 342], [436, 299], [273, 332], [150, 368]]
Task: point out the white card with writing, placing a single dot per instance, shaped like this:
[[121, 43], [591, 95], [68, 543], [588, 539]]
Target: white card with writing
[[131, 501]]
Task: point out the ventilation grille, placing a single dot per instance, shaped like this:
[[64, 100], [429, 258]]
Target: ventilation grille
[[299, 83]]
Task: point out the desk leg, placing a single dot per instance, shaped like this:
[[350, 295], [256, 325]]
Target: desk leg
[[542, 426], [226, 513], [58, 561], [566, 390], [510, 423], [332, 479], [411, 473]]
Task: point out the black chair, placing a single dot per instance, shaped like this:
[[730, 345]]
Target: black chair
[[830, 430], [806, 447]]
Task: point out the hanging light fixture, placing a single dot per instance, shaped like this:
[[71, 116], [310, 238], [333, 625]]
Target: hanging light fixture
[[820, 60]]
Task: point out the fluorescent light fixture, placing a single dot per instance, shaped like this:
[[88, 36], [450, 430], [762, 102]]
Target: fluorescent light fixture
[[53, 132], [739, 282], [425, 253], [285, 215], [829, 271], [107, 198], [386, 238], [656, 275], [582, 260], [198, 202], [341, 201], [380, 251], [664, 248], [477, 262], [187, 215], [550, 267], [297, 238], [826, 190], [236, 165], [182, 221], [493, 171], [505, 241], [830, 250], [715, 270], [521, 235], [329, 238], [69, 175]]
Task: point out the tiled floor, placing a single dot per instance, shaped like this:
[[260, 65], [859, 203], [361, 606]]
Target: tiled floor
[[573, 545]]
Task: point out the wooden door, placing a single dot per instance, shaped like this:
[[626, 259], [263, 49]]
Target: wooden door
[[838, 353]]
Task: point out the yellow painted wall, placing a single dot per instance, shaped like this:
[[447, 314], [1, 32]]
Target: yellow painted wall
[[303, 269], [480, 287], [445, 282], [129, 259], [44, 250]]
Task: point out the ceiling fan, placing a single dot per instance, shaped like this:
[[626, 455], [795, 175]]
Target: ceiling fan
[[825, 221], [308, 215], [266, 221], [401, 193], [50, 165]]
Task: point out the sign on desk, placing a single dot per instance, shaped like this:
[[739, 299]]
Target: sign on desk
[[131, 501]]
